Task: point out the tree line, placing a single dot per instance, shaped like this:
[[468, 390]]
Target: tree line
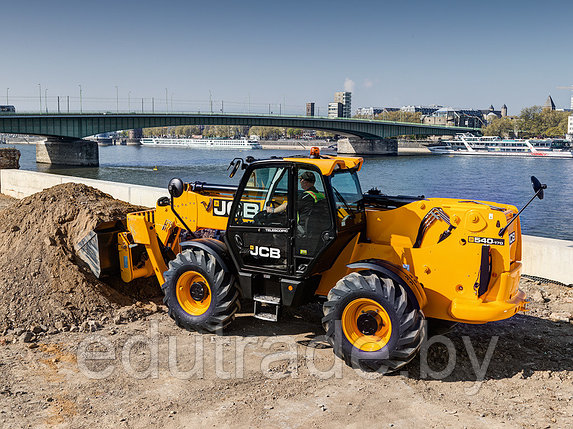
[[395, 116], [225, 131]]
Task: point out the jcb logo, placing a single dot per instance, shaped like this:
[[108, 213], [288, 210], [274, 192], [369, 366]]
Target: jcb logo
[[223, 208], [265, 252]]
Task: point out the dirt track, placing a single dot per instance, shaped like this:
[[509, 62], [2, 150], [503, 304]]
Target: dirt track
[[528, 382]]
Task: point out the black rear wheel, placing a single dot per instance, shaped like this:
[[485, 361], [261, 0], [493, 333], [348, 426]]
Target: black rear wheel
[[199, 294], [372, 323]]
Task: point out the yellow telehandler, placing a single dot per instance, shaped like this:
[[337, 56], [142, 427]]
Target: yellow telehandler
[[382, 265]]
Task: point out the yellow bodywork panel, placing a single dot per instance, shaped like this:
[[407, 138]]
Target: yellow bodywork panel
[[129, 268], [328, 165], [447, 272], [161, 227], [142, 228]]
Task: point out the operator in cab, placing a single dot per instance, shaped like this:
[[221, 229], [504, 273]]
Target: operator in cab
[[307, 198]]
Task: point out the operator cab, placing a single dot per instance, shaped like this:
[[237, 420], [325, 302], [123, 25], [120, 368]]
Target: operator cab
[[290, 219]]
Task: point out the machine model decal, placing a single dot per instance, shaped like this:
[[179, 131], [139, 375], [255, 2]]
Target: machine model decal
[[223, 208], [209, 206], [487, 240], [265, 252], [511, 237]]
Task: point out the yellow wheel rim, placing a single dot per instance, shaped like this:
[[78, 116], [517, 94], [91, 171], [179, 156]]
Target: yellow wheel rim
[[183, 291], [352, 328]]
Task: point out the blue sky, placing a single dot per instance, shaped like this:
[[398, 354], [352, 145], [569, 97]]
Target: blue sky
[[252, 53]]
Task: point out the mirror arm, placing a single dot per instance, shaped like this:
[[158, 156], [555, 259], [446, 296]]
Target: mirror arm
[[502, 230]]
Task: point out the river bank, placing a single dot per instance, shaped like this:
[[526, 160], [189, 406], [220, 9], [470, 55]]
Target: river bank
[[138, 370]]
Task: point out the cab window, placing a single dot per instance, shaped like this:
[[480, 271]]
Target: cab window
[[266, 187], [348, 198]]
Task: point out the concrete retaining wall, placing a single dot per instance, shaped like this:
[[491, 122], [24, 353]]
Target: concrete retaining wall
[[542, 257], [548, 258], [21, 183]]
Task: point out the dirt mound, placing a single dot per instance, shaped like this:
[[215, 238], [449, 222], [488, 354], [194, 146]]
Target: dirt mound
[[43, 281]]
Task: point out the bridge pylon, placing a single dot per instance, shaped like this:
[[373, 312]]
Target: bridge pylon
[[358, 146], [68, 151]]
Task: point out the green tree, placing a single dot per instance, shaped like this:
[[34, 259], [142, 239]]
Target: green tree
[[324, 134], [400, 116], [535, 121], [502, 127], [293, 132]]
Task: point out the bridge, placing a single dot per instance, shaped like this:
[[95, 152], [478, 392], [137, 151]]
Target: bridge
[[65, 133]]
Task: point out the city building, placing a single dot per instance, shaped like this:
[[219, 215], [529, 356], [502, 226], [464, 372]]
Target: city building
[[424, 110], [309, 109], [570, 128], [455, 117], [369, 112], [335, 110], [344, 98], [490, 114]]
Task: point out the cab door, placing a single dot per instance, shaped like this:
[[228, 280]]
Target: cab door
[[261, 241]]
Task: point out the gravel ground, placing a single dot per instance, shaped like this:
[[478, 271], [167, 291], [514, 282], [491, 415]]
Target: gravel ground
[[284, 375]]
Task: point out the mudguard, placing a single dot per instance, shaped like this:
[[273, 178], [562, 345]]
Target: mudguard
[[214, 247], [400, 275]]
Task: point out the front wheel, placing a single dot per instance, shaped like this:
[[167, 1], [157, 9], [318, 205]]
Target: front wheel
[[199, 294], [372, 323]]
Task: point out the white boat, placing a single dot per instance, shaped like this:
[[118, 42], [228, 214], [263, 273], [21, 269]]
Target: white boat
[[468, 144], [200, 143]]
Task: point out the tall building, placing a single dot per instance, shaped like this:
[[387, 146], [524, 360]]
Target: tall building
[[335, 110], [344, 98], [309, 109], [369, 111], [570, 128]]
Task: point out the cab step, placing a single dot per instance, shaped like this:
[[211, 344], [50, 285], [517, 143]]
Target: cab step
[[267, 307]]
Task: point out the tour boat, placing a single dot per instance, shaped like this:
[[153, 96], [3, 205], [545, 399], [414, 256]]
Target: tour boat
[[468, 144]]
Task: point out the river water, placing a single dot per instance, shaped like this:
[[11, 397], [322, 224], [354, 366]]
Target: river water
[[497, 179]]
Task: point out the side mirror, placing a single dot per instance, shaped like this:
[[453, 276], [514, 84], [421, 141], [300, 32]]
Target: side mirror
[[538, 187], [235, 163], [175, 187]]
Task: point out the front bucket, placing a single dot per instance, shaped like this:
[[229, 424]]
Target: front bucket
[[98, 249]]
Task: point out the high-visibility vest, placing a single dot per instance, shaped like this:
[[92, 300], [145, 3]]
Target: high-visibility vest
[[316, 196]]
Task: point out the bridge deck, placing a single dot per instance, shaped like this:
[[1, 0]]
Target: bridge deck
[[77, 126]]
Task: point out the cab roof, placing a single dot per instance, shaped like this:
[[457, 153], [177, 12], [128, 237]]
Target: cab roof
[[328, 164]]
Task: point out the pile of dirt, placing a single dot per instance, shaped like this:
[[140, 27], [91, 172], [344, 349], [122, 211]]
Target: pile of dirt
[[44, 282], [6, 201]]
